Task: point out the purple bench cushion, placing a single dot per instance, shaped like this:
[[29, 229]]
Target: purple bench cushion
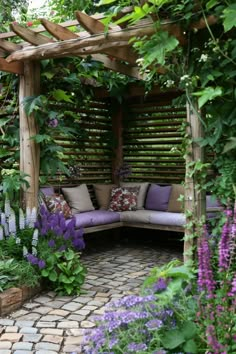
[[167, 218], [96, 217], [137, 216]]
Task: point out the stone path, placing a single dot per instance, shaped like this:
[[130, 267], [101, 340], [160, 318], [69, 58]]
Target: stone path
[[50, 324]]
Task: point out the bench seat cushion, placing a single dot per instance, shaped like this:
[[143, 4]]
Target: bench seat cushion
[[137, 216], [167, 218], [96, 217]]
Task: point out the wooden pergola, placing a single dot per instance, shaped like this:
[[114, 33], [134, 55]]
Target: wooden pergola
[[53, 40]]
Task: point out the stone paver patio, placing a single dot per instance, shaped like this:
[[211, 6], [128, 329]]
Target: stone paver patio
[[50, 324]]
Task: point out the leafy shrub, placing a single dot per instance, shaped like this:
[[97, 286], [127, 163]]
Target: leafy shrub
[[48, 244]]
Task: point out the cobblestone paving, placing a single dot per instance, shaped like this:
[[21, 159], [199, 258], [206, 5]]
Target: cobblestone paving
[[50, 324]]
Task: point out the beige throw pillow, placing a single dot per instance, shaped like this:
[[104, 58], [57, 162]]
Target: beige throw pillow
[[103, 194], [78, 198], [142, 191], [176, 206]]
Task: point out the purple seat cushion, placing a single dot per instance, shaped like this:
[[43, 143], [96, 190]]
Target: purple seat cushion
[[158, 197], [167, 218], [96, 217]]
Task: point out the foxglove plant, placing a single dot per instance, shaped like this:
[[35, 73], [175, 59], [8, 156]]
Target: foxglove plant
[[217, 315]]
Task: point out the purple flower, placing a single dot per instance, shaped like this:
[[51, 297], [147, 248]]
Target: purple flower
[[53, 123], [78, 243], [51, 243], [41, 264], [224, 244], [137, 347], [154, 324], [132, 300], [32, 259], [160, 286], [205, 273], [62, 248]]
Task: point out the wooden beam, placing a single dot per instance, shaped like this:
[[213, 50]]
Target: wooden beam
[[74, 47], [117, 129], [29, 149], [13, 68], [30, 35], [9, 46], [94, 26], [195, 199], [62, 33], [58, 31]]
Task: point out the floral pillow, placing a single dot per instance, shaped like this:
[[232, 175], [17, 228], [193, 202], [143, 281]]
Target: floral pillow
[[56, 203], [124, 199]]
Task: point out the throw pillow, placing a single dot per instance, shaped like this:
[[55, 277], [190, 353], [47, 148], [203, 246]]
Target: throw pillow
[[103, 194], [78, 198], [158, 197], [123, 199], [142, 191], [176, 206], [56, 203]]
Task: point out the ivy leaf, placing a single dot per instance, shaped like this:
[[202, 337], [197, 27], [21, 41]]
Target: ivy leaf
[[230, 145], [33, 103], [4, 121], [208, 94], [61, 95], [4, 153], [39, 138], [211, 4], [229, 15]]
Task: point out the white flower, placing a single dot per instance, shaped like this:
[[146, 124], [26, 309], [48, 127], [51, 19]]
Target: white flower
[[7, 206], [35, 237], [18, 241], [184, 78], [21, 219], [203, 58], [12, 222], [34, 251], [25, 251], [169, 83], [1, 232]]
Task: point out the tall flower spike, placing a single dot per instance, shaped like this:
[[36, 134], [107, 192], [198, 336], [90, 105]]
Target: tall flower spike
[[224, 244], [7, 206], [28, 216], [12, 222], [1, 233], [33, 217], [205, 274], [21, 219]]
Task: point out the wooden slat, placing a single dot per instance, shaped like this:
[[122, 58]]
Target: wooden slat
[[9, 46], [30, 35], [14, 68]]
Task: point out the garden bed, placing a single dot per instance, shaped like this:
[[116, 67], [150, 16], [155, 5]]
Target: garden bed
[[12, 299]]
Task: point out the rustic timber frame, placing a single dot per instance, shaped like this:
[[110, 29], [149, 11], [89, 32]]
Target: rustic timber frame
[[23, 59]]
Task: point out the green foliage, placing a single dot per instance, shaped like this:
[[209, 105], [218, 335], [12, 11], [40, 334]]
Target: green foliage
[[12, 181], [65, 271]]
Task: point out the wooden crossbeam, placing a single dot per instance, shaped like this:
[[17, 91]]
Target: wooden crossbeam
[[58, 31], [94, 26], [62, 33], [9, 46], [13, 68], [74, 47], [29, 35]]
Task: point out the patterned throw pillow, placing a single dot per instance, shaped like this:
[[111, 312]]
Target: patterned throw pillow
[[124, 199], [57, 203]]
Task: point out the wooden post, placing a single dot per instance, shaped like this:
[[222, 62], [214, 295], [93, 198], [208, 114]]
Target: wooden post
[[195, 199], [29, 149], [117, 127]]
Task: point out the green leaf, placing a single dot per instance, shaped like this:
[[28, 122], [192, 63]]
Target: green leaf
[[208, 94], [45, 273], [61, 95], [105, 2], [39, 138], [4, 121], [53, 276], [189, 330], [230, 145], [211, 4], [229, 15], [172, 339], [190, 347], [64, 279], [33, 103]]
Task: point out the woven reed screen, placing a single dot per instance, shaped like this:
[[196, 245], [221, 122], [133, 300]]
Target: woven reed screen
[[151, 142], [89, 156]]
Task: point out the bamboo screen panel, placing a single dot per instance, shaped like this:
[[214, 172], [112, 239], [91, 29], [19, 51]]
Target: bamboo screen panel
[[89, 155], [152, 139]]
